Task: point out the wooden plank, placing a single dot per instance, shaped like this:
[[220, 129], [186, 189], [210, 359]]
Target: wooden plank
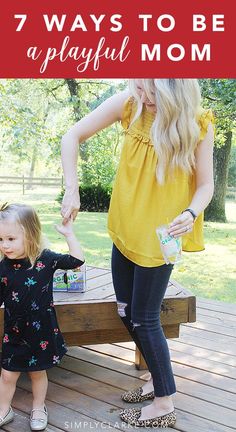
[[88, 317], [99, 373], [191, 361], [223, 416], [177, 290], [87, 386], [97, 282], [201, 376], [109, 336], [218, 329], [96, 272], [100, 286], [21, 423], [90, 295], [117, 351], [84, 316], [176, 357], [205, 334], [120, 364], [60, 416], [220, 322], [220, 315], [209, 411], [216, 306], [187, 422], [224, 305], [184, 371], [64, 393], [106, 393], [215, 346], [178, 345], [195, 389], [99, 336], [204, 364], [140, 363], [191, 309]]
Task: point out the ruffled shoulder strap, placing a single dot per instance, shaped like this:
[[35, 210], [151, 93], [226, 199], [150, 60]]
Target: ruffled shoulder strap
[[128, 112], [205, 117]]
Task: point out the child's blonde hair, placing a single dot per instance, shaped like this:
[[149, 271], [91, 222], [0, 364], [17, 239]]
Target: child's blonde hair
[[29, 221], [175, 131]]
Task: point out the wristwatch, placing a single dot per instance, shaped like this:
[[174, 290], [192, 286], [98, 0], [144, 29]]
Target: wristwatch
[[190, 211]]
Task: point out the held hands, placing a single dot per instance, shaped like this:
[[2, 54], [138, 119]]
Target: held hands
[[70, 205], [181, 225], [66, 229]]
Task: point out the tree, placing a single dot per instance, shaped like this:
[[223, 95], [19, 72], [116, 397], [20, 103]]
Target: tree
[[28, 126], [232, 168], [221, 94], [36, 113], [98, 155]]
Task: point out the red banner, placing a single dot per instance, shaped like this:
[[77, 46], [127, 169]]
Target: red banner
[[55, 39]]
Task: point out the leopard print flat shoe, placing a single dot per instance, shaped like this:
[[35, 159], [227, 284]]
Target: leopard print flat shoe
[[131, 416], [133, 396]]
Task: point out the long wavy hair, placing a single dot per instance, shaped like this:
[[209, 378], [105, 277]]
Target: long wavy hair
[[28, 219], [175, 131]]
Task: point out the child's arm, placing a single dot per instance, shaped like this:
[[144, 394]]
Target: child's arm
[[73, 244], [1, 287]]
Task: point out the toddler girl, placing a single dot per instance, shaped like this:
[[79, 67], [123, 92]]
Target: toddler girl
[[32, 341]]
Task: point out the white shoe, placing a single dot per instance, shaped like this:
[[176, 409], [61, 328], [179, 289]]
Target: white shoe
[[40, 423], [7, 418]]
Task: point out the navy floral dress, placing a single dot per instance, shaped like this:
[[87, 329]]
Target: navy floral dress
[[32, 340]]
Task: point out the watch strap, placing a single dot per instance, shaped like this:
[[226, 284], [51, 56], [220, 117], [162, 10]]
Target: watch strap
[[190, 211]]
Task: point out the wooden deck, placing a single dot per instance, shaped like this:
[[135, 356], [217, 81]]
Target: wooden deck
[[84, 391]]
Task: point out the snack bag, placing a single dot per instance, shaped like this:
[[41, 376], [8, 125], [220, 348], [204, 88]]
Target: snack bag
[[170, 246], [70, 280]]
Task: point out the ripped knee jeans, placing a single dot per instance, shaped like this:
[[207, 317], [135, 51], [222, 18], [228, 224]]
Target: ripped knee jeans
[[139, 292]]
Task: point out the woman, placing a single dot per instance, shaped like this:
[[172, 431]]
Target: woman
[[165, 175]]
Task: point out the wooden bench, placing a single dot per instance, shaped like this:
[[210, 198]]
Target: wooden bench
[[91, 317]]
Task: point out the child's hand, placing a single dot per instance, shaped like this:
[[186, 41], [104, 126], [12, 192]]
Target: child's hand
[[65, 229]]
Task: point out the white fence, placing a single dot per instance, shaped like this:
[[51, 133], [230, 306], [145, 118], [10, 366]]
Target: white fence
[[29, 182]]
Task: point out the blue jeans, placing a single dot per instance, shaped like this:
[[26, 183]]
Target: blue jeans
[[139, 292]]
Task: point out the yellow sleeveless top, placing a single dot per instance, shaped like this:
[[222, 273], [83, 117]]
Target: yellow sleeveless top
[[139, 204]]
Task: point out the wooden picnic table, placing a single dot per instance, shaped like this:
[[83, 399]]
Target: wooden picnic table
[[91, 317]]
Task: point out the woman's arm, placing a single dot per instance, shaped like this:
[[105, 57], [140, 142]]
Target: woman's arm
[[204, 185], [103, 116], [204, 173]]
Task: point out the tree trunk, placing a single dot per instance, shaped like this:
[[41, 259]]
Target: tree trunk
[[75, 93], [216, 209], [74, 90], [32, 167]]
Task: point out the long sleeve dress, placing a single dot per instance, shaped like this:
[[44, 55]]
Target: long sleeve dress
[[32, 340]]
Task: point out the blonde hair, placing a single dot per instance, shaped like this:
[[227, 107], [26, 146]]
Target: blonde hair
[[175, 131], [28, 219]]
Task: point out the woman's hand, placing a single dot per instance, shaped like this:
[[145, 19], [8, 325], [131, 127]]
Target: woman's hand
[[70, 205], [182, 224]]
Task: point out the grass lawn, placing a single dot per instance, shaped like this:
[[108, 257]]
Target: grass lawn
[[211, 273]]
